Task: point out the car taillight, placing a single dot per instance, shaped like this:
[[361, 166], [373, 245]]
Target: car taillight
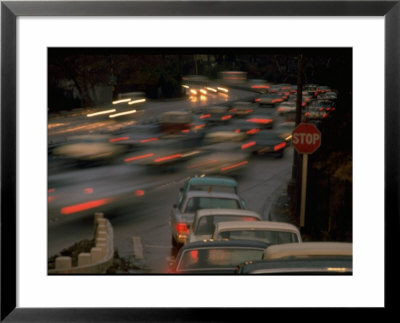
[[280, 146], [257, 100], [252, 143], [182, 228]]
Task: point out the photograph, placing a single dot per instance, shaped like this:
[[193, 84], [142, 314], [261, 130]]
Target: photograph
[[200, 161]]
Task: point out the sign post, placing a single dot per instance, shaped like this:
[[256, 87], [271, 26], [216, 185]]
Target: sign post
[[306, 139]]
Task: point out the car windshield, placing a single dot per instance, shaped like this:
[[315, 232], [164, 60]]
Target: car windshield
[[215, 258], [271, 237], [206, 224], [198, 203]]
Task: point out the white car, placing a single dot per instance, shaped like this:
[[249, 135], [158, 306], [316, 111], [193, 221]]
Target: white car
[[206, 220], [267, 231], [182, 214]]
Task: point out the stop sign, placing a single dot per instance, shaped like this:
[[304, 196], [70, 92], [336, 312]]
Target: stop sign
[[306, 138]]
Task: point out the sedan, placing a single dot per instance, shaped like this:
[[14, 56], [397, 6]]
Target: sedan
[[205, 221], [182, 214], [216, 257]]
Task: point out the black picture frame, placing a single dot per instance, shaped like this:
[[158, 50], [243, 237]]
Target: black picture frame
[[10, 10]]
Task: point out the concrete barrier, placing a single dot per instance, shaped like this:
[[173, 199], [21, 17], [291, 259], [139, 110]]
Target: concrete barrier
[[100, 257]]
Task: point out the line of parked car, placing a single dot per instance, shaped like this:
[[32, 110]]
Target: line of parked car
[[214, 233]]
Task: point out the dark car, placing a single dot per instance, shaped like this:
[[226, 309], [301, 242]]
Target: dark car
[[268, 142], [216, 257], [304, 266]]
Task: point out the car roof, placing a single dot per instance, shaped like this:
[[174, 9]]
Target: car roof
[[208, 180], [210, 243], [212, 194], [324, 248], [259, 225], [300, 265], [238, 212]]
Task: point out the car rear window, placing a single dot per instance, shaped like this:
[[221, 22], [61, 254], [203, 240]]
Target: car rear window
[[217, 258], [206, 224], [198, 203], [213, 188], [271, 237]]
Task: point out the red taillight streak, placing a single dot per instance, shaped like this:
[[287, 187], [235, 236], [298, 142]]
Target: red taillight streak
[[182, 228], [279, 146], [252, 143], [250, 219], [185, 131], [252, 131], [51, 199], [260, 86], [281, 109], [227, 117], [276, 100], [118, 139], [149, 139], [202, 164], [88, 190], [167, 158], [257, 100], [138, 157], [256, 120], [203, 116], [139, 192], [237, 131], [51, 190], [232, 110], [199, 126], [84, 206], [233, 166]]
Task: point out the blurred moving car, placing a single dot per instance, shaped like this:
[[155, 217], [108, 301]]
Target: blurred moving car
[[268, 142], [286, 107], [269, 100], [89, 149], [220, 159], [205, 221], [241, 109], [174, 122], [182, 214], [309, 266], [317, 249], [216, 115], [215, 257], [268, 231], [262, 118]]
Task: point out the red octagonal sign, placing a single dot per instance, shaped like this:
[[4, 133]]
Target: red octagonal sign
[[306, 138]]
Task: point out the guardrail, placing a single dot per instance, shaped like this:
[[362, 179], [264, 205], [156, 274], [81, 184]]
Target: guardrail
[[100, 257]]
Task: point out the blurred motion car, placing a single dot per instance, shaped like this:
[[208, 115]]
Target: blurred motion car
[[222, 159], [215, 257], [269, 100], [268, 142], [216, 115], [89, 149], [309, 266], [182, 213], [241, 109], [262, 118], [286, 107], [268, 231], [174, 122], [206, 220], [314, 249]]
